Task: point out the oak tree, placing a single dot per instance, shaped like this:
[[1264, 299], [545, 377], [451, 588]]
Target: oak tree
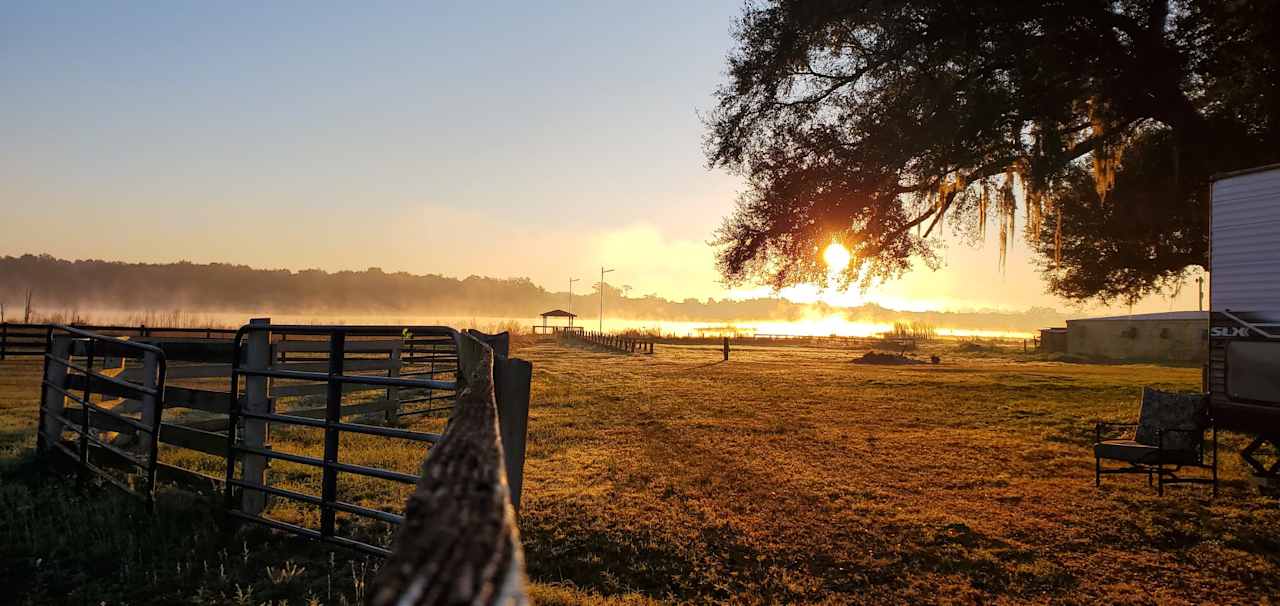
[[1091, 126]]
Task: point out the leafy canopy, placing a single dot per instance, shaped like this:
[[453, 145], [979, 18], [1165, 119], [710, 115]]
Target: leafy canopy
[[875, 123]]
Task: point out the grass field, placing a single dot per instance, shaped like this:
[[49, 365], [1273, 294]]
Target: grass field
[[787, 474]]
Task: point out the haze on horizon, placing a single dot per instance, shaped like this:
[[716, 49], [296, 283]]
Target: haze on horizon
[[505, 141]]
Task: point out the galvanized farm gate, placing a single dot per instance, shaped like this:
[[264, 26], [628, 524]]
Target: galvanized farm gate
[[408, 371], [330, 369], [79, 366]]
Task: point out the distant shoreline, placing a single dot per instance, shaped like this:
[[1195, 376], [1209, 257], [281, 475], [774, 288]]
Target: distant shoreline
[[96, 288]]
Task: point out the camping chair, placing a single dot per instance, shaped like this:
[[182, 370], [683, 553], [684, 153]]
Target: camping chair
[[1168, 437]]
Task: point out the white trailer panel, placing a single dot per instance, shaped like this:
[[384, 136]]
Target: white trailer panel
[[1244, 263], [1244, 296]]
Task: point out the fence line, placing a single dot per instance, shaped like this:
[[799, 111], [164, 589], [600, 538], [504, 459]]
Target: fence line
[[23, 339], [618, 343], [31, 339], [475, 466]]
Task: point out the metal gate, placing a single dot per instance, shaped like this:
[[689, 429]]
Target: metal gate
[[250, 416], [79, 366], [106, 418]]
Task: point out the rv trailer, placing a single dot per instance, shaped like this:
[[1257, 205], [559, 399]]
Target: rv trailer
[[1243, 372]]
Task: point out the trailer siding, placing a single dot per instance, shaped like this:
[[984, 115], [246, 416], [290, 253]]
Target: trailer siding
[[1245, 260]]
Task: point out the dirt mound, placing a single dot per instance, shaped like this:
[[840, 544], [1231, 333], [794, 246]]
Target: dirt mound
[[875, 357]]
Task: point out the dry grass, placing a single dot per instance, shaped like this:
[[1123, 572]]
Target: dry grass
[[787, 474], [176, 318], [792, 475]]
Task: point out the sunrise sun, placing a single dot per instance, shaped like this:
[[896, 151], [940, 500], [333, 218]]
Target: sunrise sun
[[836, 257]]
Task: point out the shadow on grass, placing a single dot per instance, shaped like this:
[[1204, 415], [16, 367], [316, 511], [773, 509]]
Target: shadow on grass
[[697, 367], [1081, 359], [61, 544], [615, 560], [716, 566]]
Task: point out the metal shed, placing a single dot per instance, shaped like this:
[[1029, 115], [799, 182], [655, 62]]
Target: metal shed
[[1175, 336]]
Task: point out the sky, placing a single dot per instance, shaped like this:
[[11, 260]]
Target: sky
[[505, 139]]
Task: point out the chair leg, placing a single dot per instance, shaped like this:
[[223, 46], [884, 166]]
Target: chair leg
[[1148, 478], [1215, 461], [1097, 472], [1160, 479]]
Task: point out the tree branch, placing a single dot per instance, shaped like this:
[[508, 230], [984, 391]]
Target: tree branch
[[942, 211]]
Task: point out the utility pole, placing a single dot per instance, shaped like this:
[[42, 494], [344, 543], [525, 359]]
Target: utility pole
[[603, 271], [571, 281], [1200, 283]]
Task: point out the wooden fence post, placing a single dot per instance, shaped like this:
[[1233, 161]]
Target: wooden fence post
[[4, 338], [257, 357], [500, 342], [512, 378], [53, 402], [150, 414], [393, 392], [150, 404]]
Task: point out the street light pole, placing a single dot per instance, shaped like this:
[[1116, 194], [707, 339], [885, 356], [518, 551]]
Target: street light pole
[[603, 271], [571, 281]]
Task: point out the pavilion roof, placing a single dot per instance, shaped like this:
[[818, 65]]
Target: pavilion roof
[[558, 313]]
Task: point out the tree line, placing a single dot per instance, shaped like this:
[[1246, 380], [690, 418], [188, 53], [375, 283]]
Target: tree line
[[61, 285]]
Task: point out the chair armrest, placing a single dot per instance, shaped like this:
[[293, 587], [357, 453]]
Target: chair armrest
[[1103, 425]]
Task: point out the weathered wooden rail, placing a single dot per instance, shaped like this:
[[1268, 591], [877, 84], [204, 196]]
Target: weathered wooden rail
[[459, 543], [18, 339], [618, 343]]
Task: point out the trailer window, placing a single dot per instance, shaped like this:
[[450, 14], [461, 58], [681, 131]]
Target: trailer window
[[1253, 371]]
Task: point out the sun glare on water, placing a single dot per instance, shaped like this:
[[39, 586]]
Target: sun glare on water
[[836, 257]]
